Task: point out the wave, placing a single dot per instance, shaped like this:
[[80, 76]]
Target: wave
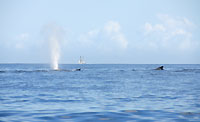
[[99, 116], [78, 69], [189, 70], [125, 115], [43, 70]]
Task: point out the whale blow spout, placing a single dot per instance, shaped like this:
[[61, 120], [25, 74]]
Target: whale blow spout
[[54, 35], [55, 53]]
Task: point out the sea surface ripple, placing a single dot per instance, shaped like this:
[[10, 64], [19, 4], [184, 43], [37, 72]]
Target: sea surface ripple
[[100, 92]]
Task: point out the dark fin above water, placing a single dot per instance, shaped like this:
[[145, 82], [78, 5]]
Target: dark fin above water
[[160, 68], [78, 69]]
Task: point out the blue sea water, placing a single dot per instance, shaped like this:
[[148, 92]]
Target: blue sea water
[[99, 92]]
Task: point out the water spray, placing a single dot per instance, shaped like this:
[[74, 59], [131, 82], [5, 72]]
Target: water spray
[[54, 36], [55, 52]]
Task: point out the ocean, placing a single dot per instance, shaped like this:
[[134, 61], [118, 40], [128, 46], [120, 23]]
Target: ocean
[[100, 92]]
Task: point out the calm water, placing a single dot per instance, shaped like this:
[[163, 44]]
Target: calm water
[[118, 93]]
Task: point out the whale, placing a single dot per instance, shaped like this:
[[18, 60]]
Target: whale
[[160, 68], [78, 69], [66, 70]]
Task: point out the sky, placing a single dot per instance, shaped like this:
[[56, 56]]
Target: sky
[[102, 31]]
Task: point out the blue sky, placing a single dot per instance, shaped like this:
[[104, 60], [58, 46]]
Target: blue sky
[[103, 31]]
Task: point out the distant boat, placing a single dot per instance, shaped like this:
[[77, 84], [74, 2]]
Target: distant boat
[[81, 61]]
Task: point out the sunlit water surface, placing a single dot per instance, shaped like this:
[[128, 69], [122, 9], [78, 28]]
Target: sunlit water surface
[[118, 93]]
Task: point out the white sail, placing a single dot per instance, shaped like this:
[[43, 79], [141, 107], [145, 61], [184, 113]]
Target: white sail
[[81, 61]]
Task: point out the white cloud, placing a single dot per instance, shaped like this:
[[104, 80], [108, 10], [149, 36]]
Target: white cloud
[[23, 36], [93, 33], [109, 35], [170, 33], [158, 27], [148, 27], [113, 29], [121, 40], [19, 46], [88, 38]]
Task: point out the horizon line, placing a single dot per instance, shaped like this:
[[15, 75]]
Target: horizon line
[[100, 63]]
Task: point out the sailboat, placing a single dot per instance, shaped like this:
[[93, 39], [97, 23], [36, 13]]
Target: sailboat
[[81, 61]]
